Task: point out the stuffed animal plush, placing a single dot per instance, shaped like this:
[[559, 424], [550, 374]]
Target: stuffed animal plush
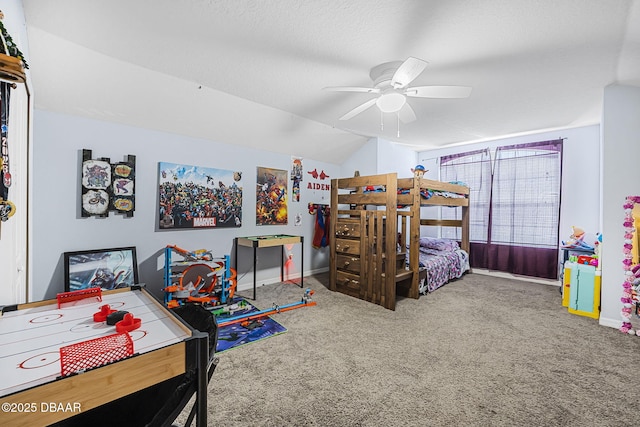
[[578, 233], [576, 240], [419, 171]]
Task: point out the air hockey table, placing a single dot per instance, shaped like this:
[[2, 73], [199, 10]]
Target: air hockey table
[[33, 391]]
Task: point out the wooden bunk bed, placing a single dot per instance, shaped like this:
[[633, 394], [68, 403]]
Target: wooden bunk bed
[[369, 217]]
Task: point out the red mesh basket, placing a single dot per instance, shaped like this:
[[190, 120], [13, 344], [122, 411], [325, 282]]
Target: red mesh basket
[[93, 353], [65, 297]]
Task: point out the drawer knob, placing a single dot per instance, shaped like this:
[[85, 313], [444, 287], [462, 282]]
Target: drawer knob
[[346, 263]]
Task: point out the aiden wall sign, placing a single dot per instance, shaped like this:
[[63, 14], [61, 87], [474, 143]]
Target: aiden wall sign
[[318, 182]]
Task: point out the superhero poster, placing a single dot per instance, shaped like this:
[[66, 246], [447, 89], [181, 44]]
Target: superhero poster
[[271, 196], [198, 197]]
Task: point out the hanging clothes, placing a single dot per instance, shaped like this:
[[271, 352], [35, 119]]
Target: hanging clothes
[[5, 182], [327, 221], [321, 229]]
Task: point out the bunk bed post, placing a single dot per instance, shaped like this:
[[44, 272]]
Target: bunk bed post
[[402, 234], [465, 244], [391, 241], [332, 234], [367, 280], [414, 242]]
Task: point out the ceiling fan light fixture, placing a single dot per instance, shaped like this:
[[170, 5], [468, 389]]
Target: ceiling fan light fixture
[[391, 102]]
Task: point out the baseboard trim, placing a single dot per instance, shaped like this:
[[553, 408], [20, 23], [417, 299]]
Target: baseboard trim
[[516, 277], [612, 323]]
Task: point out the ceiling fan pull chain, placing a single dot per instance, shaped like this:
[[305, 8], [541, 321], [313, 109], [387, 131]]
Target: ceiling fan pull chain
[[381, 120], [398, 117]]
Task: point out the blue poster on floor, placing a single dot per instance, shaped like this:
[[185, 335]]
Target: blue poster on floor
[[244, 332]]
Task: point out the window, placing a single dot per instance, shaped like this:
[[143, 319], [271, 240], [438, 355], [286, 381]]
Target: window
[[474, 170], [514, 208], [526, 197]]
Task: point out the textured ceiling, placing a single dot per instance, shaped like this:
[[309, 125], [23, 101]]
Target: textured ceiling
[[252, 72]]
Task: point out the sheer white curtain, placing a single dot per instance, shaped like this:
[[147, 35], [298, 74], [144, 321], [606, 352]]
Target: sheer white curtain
[[526, 197], [473, 169]]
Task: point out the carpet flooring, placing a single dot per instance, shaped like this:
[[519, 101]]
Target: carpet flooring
[[481, 351]]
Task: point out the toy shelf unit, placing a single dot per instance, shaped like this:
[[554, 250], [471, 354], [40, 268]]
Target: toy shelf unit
[[575, 255], [197, 277], [581, 289]]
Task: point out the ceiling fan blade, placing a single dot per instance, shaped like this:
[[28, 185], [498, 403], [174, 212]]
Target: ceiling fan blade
[[351, 89], [406, 114], [407, 72], [359, 109], [438, 91]]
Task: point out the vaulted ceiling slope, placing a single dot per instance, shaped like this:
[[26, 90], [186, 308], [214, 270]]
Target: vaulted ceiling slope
[[252, 72]]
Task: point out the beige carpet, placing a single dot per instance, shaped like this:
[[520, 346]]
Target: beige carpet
[[481, 351]]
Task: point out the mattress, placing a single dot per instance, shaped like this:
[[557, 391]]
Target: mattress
[[443, 260]]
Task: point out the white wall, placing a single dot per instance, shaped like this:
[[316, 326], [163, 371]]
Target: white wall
[[364, 160], [380, 156], [395, 158], [621, 178], [58, 227]]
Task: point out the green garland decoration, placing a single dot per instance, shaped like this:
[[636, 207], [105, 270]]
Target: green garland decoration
[[11, 46]]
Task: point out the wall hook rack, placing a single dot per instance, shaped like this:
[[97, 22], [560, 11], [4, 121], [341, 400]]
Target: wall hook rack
[[314, 207]]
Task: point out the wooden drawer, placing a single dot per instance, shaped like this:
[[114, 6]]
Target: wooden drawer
[[349, 263], [348, 246], [347, 280], [347, 229]]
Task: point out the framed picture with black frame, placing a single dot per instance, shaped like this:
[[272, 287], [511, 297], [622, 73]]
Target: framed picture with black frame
[[111, 268]]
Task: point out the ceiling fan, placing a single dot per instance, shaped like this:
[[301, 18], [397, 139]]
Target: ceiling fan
[[390, 81]]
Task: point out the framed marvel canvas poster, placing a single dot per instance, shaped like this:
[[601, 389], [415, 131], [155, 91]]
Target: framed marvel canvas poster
[[198, 197], [271, 196]]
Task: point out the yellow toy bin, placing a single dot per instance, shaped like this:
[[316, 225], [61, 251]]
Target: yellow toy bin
[[566, 283], [581, 289]]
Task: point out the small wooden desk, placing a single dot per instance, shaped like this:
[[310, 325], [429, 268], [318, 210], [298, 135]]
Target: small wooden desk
[[266, 241]]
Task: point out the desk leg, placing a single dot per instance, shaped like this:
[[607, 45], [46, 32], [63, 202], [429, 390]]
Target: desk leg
[[301, 261], [236, 252], [282, 265], [254, 273]]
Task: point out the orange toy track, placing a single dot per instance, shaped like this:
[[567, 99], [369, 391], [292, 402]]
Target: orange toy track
[[207, 299], [303, 303], [200, 254], [198, 278]]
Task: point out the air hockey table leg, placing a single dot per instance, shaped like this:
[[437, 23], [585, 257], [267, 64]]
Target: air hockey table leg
[[203, 378]]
